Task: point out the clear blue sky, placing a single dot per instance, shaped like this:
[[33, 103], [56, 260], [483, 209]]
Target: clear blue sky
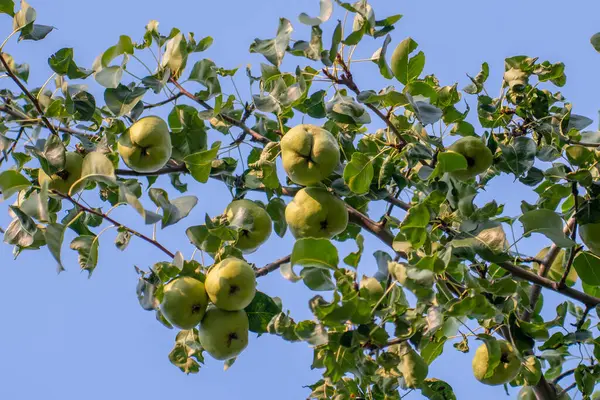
[[68, 337]]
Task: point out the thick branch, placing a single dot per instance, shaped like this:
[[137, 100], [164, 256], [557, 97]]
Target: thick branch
[[31, 97], [115, 223], [255, 135], [272, 267], [550, 284]]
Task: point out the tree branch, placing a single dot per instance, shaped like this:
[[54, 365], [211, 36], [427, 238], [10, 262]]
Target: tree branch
[[272, 267], [563, 278], [347, 80], [563, 392], [162, 103], [31, 97], [387, 237], [534, 293], [563, 375], [581, 321], [542, 282], [255, 135], [115, 223], [13, 146], [35, 121]]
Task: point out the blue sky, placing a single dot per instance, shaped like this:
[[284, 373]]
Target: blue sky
[[69, 337]]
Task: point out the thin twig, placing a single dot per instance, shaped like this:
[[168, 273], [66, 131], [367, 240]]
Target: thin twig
[[581, 321], [35, 121], [563, 375], [565, 390], [162, 103], [31, 97], [115, 223], [347, 80], [13, 146], [534, 293], [255, 135], [565, 275]]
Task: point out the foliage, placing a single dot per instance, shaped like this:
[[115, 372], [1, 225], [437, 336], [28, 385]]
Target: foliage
[[450, 273]]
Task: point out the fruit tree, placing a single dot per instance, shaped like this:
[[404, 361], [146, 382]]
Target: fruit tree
[[332, 161]]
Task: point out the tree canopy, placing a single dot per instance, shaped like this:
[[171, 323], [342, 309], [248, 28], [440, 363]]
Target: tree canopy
[[333, 161]]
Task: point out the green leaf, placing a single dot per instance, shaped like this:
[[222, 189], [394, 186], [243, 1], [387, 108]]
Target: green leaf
[[109, 77], [199, 164], [519, 155], [317, 279], [124, 46], [82, 106], [587, 265], [87, 247], [12, 182], [173, 211], [353, 259], [359, 173], [391, 20], [187, 353], [274, 49], [54, 234], [477, 86], [21, 70], [335, 44], [96, 167], [585, 380], [205, 73], [400, 60], [25, 225], [54, 153], [548, 223], [260, 312], [324, 15], [531, 370], [425, 112], [346, 110], [595, 41], [276, 210], [62, 63], [435, 389], [188, 131], [311, 332], [200, 237], [7, 7], [415, 66], [127, 196], [122, 239], [203, 44], [35, 32], [418, 217], [379, 58], [122, 99], [318, 253]]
